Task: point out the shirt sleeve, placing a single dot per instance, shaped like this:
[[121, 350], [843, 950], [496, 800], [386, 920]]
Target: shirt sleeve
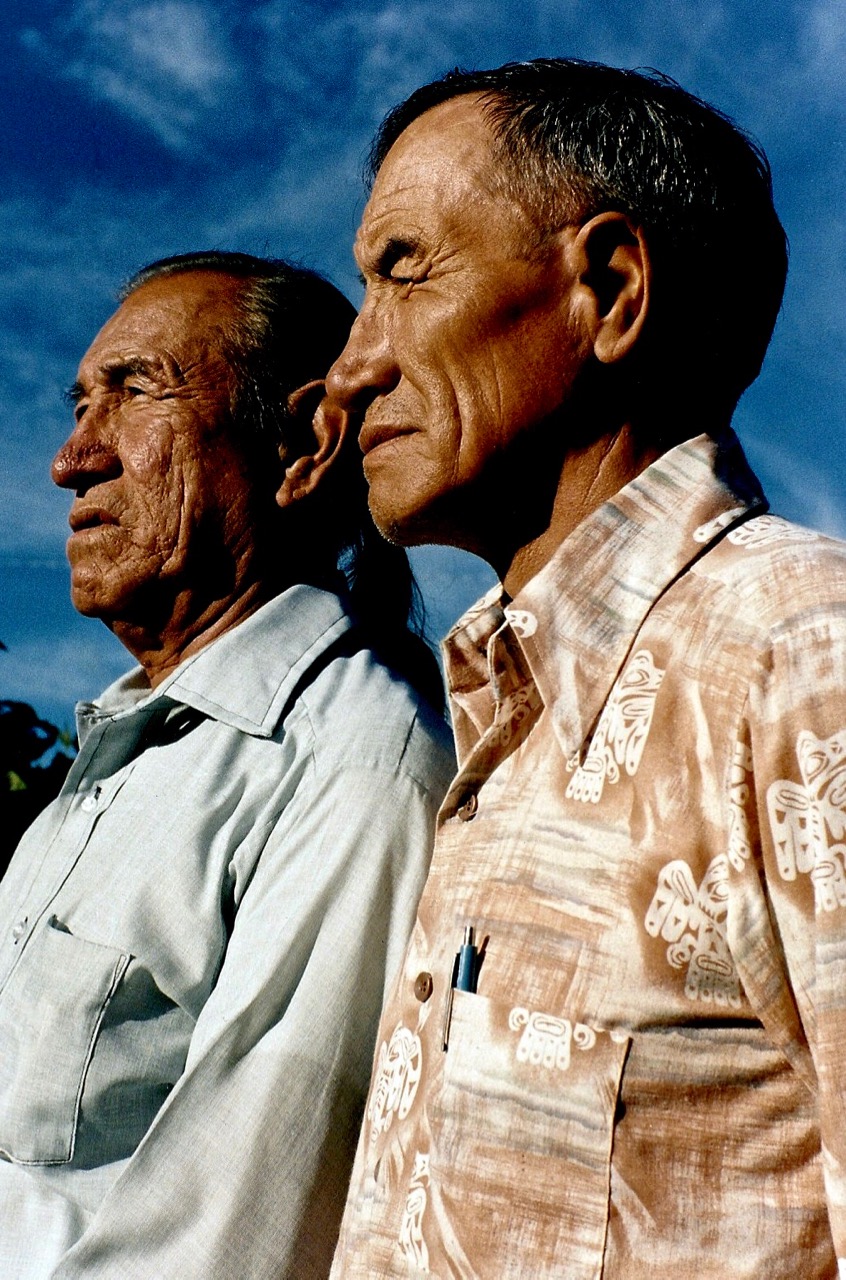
[[798, 739], [245, 1168]]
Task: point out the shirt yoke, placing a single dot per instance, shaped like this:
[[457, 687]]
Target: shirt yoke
[[767, 587], [363, 716]]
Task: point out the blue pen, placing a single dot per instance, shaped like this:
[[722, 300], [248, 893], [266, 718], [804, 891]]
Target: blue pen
[[467, 957]]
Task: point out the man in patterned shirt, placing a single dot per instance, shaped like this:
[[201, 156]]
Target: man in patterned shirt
[[634, 1067]]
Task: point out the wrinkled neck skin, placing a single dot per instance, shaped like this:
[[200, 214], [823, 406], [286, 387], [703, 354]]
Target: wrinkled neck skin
[[166, 630], [589, 477], [556, 485], [160, 648], [166, 627]]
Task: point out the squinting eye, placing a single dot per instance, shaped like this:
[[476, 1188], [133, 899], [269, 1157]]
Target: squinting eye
[[405, 273], [407, 268]]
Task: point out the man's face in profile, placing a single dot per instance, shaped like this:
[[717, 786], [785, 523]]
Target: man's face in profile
[[163, 500], [465, 338]]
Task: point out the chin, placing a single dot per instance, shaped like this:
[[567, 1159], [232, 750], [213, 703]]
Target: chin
[[90, 605], [417, 524], [90, 595], [401, 523]]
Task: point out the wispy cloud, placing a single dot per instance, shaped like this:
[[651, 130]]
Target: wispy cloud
[[220, 122], [165, 64], [798, 486], [53, 671], [453, 580], [822, 48]]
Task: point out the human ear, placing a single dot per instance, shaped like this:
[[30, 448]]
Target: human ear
[[322, 427], [615, 272]]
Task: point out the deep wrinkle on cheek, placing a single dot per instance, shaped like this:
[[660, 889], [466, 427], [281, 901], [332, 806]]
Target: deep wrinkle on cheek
[[146, 452]]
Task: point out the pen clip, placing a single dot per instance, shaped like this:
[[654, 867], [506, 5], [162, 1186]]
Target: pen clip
[[465, 973], [448, 1003]]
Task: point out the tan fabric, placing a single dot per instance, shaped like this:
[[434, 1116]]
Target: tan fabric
[[654, 737]]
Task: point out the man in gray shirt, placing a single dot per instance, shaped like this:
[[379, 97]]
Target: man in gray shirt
[[196, 936]]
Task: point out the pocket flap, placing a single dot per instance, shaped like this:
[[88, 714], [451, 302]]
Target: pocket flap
[[52, 1008]]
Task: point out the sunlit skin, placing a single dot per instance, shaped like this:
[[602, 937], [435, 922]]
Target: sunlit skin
[[171, 529], [464, 371]]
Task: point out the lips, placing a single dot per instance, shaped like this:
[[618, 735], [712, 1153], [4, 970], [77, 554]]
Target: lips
[[82, 518], [374, 434]]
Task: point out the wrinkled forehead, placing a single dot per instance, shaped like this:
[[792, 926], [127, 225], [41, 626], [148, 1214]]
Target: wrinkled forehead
[[457, 128], [443, 161], [165, 315]]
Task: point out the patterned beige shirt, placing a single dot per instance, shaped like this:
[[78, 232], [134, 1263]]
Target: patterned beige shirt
[[648, 833]]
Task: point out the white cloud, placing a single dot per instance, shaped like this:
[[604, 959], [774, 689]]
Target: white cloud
[[822, 46], [799, 487], [165, 64], [370, 54]]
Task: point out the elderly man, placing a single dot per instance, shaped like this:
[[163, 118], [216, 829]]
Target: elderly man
[[616, 1046], [197, 934]]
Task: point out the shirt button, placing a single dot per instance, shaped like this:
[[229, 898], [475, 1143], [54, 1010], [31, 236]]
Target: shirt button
[[423, 986], [469, 805], [19, 929], [91, 801]]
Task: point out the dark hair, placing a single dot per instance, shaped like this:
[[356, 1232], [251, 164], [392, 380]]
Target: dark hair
[[288, 326], [574, 139]]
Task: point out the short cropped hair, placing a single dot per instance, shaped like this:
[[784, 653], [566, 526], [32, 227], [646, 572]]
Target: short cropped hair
[[574, 139]]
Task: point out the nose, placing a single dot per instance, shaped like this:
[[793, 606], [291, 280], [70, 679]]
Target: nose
[[87, 457], [366, 367]]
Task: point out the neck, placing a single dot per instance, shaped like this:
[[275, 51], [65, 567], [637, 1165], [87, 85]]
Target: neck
[[565, 485], [589, 476], [161, 648]]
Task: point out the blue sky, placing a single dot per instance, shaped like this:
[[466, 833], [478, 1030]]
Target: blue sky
[[138, 128]]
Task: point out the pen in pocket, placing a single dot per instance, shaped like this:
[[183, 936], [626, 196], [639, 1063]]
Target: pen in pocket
[[467, 957], [465, 973]]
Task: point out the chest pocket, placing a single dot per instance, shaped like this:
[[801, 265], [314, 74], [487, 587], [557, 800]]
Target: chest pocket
[[527, 1110], [52, 1008]]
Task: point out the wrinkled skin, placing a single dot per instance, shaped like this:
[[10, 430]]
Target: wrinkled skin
[[461, 369], [170, 523]]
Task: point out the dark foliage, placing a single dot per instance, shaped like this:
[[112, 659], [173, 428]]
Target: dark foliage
[[25, 785]]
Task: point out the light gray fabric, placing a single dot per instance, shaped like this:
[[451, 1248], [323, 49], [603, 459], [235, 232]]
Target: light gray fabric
[[195, 940]]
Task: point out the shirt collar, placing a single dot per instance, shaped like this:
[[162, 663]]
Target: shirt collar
[[575, 621], [246, 676]]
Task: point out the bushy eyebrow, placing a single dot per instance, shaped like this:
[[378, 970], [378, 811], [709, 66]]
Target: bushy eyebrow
[[390, 253], [115, 373]]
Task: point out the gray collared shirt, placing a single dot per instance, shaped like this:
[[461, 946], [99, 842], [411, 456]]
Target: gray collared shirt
[[195, 940]]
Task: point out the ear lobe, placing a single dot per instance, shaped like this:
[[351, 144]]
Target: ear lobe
[[617, 272], [321, 426]]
